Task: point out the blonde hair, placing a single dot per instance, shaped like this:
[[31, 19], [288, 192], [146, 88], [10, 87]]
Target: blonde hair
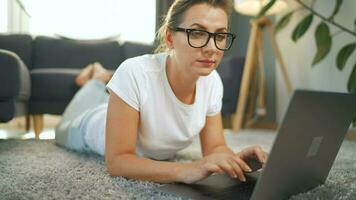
[[176, 13]]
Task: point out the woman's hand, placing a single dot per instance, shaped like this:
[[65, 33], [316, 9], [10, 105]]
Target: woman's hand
[[228, 163], [232, 164], [253, 154]]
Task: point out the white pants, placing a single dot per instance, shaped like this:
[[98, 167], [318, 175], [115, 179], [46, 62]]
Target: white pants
[[70, 130]]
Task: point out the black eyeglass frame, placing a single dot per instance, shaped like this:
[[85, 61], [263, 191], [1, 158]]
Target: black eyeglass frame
[[189, 30]]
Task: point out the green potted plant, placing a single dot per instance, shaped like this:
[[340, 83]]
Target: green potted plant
[[323, 36]]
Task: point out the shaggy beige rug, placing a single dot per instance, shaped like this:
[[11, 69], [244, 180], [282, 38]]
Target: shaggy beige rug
[[32, 169]]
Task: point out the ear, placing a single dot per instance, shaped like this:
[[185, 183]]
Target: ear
[[169, 39]]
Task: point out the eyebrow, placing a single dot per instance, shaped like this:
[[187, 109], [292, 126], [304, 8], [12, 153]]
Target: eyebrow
[[203, 27]]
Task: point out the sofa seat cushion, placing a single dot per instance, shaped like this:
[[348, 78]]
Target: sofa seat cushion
[[56, 53], [132, 49], [53, 84]]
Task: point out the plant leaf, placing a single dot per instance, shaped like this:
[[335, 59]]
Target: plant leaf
[[283, 22], [344, 54], [336, 8], [264, 10], [323, 42], [302, 27], [351, 85]]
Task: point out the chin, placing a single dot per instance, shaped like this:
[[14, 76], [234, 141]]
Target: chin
[[205, 72]]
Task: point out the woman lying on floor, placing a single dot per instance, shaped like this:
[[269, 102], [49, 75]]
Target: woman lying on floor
[[157, 104]]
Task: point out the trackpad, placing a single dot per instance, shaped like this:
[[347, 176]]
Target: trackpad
[[217, 186]]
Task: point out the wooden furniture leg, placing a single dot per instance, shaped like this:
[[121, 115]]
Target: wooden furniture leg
[[27, 123], [246, 78], [255, 54], [278, 55], [250, 113], [38, 124], [256, 102], [261, 105]]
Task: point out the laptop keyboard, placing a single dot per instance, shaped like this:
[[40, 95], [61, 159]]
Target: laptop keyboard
[[218, 186], [240, 191]]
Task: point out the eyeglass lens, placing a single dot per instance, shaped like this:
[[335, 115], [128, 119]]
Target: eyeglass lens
[[198, 38]]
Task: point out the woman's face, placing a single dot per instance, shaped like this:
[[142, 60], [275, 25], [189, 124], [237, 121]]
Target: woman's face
[[198, 61]]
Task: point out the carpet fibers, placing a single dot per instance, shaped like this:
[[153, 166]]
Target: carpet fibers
[[32, 169]]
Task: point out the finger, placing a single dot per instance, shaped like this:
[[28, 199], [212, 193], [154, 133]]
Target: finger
[[242, 164], [248, 152], [260, 154], [238, 170], [265, 156], [214, 169], [226, 166]]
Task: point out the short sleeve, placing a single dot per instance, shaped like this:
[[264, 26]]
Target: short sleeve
[[127, 83], [216, 95]]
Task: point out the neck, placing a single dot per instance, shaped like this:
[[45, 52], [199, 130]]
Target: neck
[[182, 83]]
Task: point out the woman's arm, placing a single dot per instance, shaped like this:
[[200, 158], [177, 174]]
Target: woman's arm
[[121, 159], [212, 137], [219, 155], [213, 141], [120, 147]]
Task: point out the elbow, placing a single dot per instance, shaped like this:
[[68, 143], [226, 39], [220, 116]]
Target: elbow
[[112, 174], [110, 171], [110, 166], [115, 164]]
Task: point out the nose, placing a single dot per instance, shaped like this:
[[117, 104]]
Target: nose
[[210, 45]]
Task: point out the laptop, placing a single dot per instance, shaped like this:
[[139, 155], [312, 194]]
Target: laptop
[[301, 157]]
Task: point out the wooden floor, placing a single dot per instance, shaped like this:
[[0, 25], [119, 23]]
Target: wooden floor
[[16, 128]]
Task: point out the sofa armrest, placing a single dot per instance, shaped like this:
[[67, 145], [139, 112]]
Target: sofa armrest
[[15, 79]]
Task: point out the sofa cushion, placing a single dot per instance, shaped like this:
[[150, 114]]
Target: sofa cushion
[[53, 84], [7, 110], [230, 71], [10, 74], [47, 107], [132, 49], [21, 44], [66, 53]]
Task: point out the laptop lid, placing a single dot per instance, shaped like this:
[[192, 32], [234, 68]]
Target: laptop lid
[[302, 155], [307, 143]]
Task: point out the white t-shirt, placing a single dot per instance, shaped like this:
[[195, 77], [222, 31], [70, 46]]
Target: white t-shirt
[[167, 125]]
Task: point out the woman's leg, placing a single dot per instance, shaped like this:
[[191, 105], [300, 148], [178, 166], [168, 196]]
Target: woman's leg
[[68, 131], [90, 95]]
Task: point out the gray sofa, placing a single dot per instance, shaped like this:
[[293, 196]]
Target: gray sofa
[[14, 86], [37, 74]]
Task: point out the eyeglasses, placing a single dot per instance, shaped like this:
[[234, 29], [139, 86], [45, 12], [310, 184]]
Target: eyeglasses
[[200, 38]]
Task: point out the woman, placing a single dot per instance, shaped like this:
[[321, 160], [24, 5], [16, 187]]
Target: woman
[[159, 103]]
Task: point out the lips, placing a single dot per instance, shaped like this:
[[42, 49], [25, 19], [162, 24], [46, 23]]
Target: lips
[[207, 62]]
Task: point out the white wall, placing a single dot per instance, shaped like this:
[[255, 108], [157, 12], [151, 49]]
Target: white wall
[[18, 20], [298, 56], [3, 16], [131, 20]]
